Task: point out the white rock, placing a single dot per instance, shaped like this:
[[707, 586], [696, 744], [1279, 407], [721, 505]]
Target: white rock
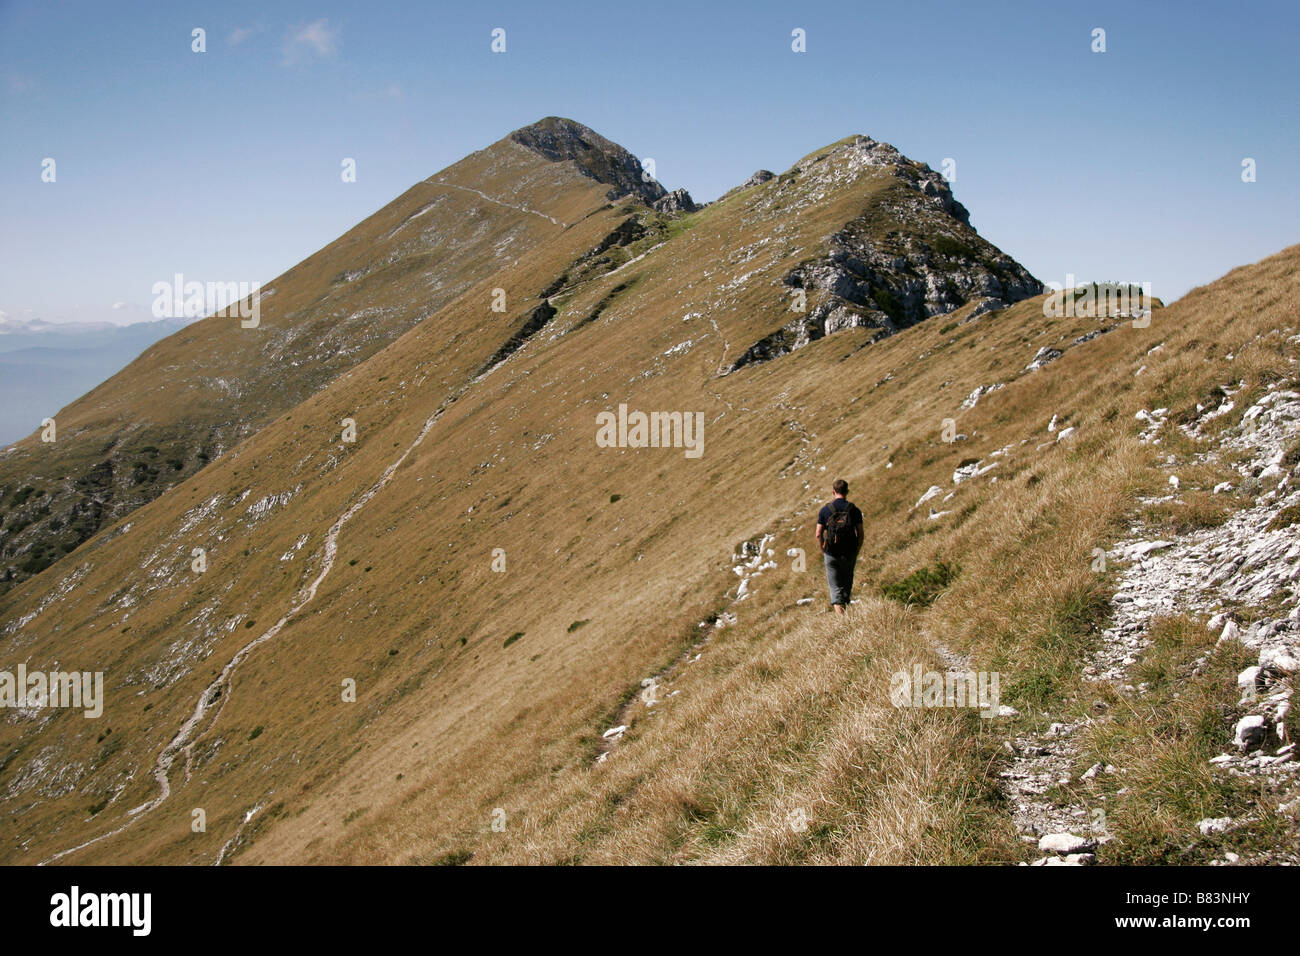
[[1064, 843], [933, 490], [1066, 433], [615, 731], [1222, 487], [1173, 481], [1251, 731], [1146, 547], [1213, 825], [1279, 658], [1231, 632], [1248, 677]]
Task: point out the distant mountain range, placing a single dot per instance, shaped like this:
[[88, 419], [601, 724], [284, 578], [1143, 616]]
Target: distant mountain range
[[46, 365]]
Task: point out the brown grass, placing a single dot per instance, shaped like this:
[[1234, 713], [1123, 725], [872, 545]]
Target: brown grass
[[782, 712]]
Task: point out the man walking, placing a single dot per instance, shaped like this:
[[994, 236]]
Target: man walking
[[839, 536]]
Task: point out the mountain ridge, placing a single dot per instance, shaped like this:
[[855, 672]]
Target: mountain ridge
[[372, 559]]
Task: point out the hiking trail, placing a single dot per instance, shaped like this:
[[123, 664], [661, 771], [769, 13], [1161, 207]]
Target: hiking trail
[[187, 735]]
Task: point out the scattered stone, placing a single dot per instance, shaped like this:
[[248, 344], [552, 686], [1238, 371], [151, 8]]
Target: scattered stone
[[1213, 825], [980, 392], [933, 490], [1044, 356]]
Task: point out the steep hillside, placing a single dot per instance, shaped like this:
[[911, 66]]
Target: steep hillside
[[192, 397], [418, 646]]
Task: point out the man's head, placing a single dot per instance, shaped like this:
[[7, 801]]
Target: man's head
[[840, 487]]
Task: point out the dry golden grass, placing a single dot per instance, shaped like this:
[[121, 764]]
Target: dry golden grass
[[787, 710]]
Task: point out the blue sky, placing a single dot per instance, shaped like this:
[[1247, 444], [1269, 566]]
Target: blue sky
[[224, 165]]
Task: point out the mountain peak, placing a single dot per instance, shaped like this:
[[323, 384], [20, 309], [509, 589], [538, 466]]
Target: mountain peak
[[564, 140]]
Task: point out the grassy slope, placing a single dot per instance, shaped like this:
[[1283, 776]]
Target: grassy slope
[[781, 712], [196, 394]]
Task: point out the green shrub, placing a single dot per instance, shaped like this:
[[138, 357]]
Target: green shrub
[[923, 586]]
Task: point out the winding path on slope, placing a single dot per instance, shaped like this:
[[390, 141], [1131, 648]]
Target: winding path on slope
[[186, 736], [499, 202]]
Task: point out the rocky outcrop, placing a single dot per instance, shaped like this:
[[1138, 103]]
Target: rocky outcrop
[[677, 201], [928, 182], [934, 263], [562, 140]]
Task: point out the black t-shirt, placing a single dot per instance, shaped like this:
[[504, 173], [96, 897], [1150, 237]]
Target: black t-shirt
[[855, 516]]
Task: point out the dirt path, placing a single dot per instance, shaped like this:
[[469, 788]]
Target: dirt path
[[553, 221]]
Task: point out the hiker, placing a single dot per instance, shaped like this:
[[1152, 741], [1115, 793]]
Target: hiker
[[839, 535]]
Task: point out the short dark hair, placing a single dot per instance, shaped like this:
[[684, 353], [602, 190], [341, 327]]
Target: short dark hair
[[840, 486]]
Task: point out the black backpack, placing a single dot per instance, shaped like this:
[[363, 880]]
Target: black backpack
[[838, 533]]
